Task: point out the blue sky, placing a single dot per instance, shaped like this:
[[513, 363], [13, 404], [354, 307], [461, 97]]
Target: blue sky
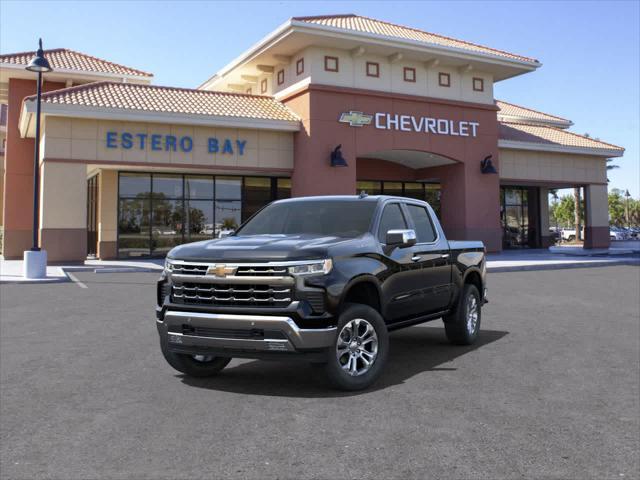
[[589, 50]]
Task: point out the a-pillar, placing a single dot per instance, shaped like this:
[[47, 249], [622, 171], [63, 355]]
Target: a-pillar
[[596, 216], [546, 240], [63, 211], [107, 214]]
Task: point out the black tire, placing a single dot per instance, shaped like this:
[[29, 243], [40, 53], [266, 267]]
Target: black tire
[[571, 238], [457, 325], [192, 367], [335, 366]]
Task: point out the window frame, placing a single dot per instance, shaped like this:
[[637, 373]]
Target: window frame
[[377, 67], [263, 85], [327, 59], [480, 82], [407, 70], [429, 216], [300, 66], [443, 75], [378, 222], [280, 76]]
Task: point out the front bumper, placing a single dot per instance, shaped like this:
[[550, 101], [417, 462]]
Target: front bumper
[[238, 334]]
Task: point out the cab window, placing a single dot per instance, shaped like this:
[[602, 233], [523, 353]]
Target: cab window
[[425, 232], [392, 219]]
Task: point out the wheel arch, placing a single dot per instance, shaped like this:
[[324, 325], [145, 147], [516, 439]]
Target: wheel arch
[[364, 289]]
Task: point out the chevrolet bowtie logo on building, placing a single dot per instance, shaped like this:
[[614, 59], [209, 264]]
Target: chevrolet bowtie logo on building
[[356, 119], [221, 270]]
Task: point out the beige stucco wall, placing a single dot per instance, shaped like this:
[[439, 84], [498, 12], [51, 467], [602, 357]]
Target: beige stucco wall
[[108, 206], [598, 201], [63, 196], [352, 73], [81, 139], [552, 167]]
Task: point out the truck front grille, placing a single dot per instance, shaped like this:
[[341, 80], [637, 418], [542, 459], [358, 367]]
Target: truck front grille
[[221, 294], [260, 271], [189, 269]]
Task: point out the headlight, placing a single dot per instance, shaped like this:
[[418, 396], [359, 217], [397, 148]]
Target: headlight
[[320, 267], [168, 265]]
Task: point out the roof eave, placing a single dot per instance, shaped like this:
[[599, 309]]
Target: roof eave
[[120, 114], [88, 73], [543, 147], [532, 121]]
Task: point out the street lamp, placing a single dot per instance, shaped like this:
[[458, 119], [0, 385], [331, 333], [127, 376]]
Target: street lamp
[[626, 208], [35, 260]]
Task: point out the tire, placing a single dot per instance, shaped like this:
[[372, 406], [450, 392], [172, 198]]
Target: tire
[[347, 358], [461, 329], [194, 365], [571, 238]]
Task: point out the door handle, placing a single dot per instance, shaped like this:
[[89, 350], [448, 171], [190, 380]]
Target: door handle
[[415, 258]]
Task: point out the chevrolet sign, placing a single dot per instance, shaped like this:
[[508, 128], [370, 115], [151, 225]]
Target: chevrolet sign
[[355, 119]]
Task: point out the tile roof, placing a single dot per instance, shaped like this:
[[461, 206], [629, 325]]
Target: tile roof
[[544, 135], [65, 59], [152, 98], [370, 25], [512, 110]]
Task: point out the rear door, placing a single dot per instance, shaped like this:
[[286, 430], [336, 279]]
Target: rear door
[[431, 256]]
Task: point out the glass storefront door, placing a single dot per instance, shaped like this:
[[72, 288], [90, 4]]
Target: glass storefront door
[[519, 217], [156, 212]]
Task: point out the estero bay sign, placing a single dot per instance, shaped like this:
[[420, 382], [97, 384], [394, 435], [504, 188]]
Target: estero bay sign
[[411, 123], [171, 143]]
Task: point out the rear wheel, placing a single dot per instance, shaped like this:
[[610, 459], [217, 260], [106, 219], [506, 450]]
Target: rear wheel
[[462, 326], [194, 365], [360, 349]]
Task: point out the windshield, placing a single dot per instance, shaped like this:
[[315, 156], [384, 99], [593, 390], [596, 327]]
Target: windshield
[[348, 218]]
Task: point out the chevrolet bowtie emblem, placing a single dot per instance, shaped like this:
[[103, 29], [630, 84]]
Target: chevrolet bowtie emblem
[[355, 119], [221, 270]]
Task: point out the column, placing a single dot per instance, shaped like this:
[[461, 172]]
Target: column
[[546, 240], [63, 211], [107, 214], [596, 216]]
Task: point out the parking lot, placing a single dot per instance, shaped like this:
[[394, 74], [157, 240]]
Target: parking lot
[[550, 390]]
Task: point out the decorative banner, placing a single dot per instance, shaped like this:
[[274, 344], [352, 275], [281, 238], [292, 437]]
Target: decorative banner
[[410, 123], [171, 143]]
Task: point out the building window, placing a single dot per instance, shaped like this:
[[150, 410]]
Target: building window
[[430, 192], [478, 84], [330, 64], [444, 79], [280, 77], [409, 74], [300, 66], [248, 91], [158, 211], [373, 69], [263, 86]]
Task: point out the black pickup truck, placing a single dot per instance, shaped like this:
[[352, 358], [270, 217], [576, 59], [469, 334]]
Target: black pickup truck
[[323, 279]]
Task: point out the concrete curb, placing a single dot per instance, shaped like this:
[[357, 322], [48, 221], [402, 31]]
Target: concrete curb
[[561, 266]]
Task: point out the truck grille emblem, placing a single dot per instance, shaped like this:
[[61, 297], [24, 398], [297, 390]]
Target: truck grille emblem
[[221, 270]]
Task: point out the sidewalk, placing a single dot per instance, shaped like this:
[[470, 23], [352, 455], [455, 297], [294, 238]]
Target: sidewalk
[[506, 261]]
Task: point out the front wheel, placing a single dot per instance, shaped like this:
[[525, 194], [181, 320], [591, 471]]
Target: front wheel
[[194, 365], [360, 349], [463, 325]]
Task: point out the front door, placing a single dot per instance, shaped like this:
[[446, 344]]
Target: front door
[[401, 290], [92, 216]]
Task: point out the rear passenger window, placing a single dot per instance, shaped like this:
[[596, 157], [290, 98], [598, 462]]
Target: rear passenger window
[[424, 228], [392, 219]]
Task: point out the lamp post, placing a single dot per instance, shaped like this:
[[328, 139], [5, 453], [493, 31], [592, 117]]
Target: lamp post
[[626, 208], [35, 260]]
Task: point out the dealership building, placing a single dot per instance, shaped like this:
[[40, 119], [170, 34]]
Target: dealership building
[[322, 105]]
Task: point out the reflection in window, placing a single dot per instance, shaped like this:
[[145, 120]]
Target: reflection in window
[[198, 188], [135, 184], [392, 188], [167, 186], [256, 194], [228, 188], [199, 223], [133, 227], [370, 188], [228, 216], [283, 188]]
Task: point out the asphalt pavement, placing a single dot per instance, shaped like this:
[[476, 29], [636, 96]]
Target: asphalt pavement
[[551, 390]]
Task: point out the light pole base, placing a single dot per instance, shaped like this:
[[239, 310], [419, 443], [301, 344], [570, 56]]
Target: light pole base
[[35, 264]]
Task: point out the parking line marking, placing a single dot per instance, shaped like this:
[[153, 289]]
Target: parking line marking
[[75, 280]]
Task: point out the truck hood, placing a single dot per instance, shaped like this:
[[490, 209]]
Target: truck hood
[[258, 248]]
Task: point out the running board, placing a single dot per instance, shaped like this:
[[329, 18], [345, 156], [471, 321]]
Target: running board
[[416, 321]]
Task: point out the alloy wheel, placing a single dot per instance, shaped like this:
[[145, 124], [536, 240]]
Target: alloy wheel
[[357, 347]]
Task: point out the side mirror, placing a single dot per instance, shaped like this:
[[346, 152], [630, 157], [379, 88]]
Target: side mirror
[[401, 238]]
